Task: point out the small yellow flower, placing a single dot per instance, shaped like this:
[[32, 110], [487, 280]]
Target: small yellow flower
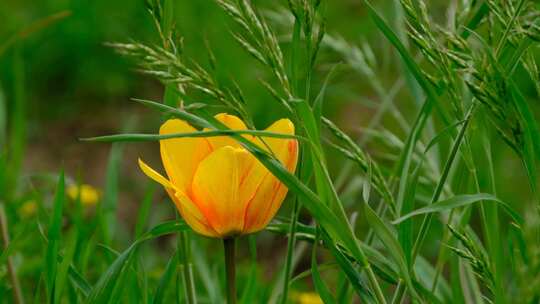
[[306, 298], [219, 188], [28, 209], [89, 195]]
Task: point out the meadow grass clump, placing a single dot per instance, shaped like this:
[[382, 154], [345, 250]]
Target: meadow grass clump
[[412, 204]]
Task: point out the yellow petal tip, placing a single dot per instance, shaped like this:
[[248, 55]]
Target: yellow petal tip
[[151, 173], [284, 126]]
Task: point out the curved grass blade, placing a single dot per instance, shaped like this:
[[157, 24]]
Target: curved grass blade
[[78, 281], [213, 133], [402, 50], [392, 244], [350, 271], [318, 282], [460, 201], [32, 28], [432, 99], [382, 266], [103, 291]]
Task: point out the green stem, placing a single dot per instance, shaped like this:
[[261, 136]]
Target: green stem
[[440, 262], [441, 255], [426, 223], [290, 252], [375, 285], [292, 236], [440, 186], [230, 269], [187, 272], [400, 292]]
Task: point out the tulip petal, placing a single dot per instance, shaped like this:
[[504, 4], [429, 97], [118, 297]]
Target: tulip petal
[[215, 189], [181, 156], [192, 215], [233, 123], [154, 175], [189, 211], [271, 192]]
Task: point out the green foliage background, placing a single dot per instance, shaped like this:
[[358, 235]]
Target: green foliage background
[[60, 81]]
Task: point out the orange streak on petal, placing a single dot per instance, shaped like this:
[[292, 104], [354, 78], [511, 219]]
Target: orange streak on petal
[[215, 189]]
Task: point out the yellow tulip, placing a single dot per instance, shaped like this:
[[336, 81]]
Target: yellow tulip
[[307, 298], [88, 194], [29, 209], [219, 188]]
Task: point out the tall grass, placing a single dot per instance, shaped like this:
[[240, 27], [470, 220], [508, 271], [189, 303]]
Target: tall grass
[[411, 214]]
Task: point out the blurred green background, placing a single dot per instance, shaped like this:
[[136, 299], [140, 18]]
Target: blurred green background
[[59, 83], [73, 86]]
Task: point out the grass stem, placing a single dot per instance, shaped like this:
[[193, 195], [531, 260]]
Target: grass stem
[[440, 186], [400, 292], [187, 271], [290, 252]]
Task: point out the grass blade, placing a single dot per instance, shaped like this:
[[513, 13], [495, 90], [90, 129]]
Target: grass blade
[[165, 279], [103, 290], [389, 240], [460, 201], [531, 151], [110, 196], [63, 269], [144, 210], [319, 284], [3, 118], [205, 134], [53, 235]]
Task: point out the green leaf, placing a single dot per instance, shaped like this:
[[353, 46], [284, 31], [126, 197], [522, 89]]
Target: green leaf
[[531, 151], [350, 270], [206, 272], [53, 235], [167, 20], [63, 269], [251, 288], [205, 134], [318, 282], [319, 100], [403, 52], [144, 210], [391, 243], [17, 124], [382, 266], [3, 119], [109, 203], [165, 279], [460, 201], [107, 283], [78, 281], [32, 28]]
